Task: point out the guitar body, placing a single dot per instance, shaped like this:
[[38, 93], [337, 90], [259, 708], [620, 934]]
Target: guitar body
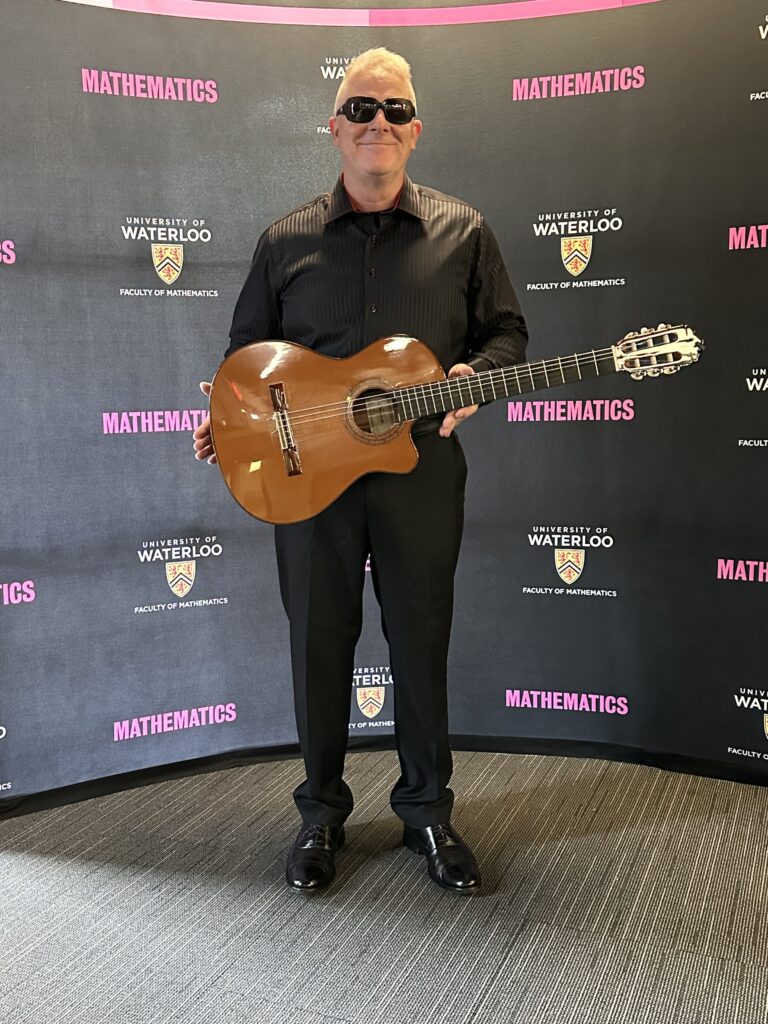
[[293, 429]]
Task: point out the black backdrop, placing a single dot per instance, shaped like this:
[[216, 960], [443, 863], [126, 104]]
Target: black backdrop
[[102, 512]]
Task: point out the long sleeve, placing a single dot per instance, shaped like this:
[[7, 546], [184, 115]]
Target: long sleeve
[[498, 334], [257, 313]]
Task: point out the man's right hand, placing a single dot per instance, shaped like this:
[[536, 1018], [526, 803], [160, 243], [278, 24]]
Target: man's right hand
[[202, 436]]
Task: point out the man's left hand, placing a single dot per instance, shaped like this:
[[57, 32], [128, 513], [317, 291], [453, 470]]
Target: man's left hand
[[456, 416]]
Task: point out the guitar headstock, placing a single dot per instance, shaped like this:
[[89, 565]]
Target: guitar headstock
[[650, 352]]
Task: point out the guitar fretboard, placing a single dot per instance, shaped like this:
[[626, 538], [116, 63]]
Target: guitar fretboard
[[419, 400]]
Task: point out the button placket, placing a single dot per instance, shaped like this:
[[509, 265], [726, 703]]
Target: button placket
[[371, 305]]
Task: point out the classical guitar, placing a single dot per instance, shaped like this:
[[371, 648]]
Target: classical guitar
[[293, 429]]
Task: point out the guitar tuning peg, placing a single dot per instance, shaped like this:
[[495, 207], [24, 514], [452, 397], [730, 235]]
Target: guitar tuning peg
[[636, 375], [663, 327], [632, 334]]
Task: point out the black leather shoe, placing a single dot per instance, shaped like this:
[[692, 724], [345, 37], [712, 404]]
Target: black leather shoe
[[311, 860], [450, 861]]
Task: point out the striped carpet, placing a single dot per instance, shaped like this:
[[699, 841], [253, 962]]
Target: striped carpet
[[612, 893]]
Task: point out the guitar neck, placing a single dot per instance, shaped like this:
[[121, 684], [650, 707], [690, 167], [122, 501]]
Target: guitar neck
[[419, 400]]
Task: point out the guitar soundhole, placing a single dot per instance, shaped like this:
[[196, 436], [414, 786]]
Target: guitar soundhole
[[373, 412]]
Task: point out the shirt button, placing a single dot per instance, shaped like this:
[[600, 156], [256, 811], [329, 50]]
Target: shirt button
[[372, 272], [373, 308]]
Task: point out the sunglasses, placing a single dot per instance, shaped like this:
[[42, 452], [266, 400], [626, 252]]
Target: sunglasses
[[362, 109]]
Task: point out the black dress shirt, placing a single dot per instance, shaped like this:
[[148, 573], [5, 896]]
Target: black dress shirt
[[335, 280]]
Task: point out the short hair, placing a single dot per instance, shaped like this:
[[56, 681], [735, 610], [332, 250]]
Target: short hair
[[376, 62]]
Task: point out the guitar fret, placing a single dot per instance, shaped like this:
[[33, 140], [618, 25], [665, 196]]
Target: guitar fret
[[462, 391]]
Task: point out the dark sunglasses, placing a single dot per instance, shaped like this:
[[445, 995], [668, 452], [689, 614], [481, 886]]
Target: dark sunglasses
[[362, 109]]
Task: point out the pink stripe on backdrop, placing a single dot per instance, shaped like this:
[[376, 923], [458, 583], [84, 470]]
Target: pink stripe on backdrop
[[260, 13], [267, 14], [494, 12]]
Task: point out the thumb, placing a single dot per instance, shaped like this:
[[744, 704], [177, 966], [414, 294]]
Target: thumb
[[205, 387]]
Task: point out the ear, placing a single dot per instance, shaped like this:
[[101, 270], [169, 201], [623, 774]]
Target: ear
[[416, 129], [334, 130]]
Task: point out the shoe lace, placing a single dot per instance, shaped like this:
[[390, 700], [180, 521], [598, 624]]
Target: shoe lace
[[442, 835], [313, 835]]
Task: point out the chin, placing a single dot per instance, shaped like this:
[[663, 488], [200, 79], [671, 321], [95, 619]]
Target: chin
[[380, 167]]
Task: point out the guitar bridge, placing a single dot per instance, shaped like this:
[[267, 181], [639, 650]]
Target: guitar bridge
[[284, 432]]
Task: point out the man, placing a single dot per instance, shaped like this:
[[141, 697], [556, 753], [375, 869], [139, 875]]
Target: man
[[379, 256]]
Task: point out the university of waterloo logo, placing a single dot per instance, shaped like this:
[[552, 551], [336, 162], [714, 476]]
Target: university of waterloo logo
[[180, 577], [569, 564], [370, 684], [170, 240], [576, 233], [370, 700], [168, 261], [575, 253], [179, 558], [751, 699], [568, 547]]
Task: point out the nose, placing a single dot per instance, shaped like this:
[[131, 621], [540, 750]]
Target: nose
[[379, 120]]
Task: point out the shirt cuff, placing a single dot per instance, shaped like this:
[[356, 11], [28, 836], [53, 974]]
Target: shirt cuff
[[479, 363]]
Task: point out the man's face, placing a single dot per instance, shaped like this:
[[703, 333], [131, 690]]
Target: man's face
[[377, 149]]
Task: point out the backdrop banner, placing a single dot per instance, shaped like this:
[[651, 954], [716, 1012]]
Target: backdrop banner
[[610, 593]]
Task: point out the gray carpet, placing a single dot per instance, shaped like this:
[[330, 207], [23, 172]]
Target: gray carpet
[[611, 893]]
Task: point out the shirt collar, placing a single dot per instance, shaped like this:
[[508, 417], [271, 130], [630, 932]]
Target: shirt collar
[[410, 201]]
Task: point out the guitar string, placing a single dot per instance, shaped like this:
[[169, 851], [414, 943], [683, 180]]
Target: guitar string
[[296, 421], [578, 360], [487, 378], [407, 412]]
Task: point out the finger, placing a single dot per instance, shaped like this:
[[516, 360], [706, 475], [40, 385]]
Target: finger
[[203, 440], [204, 453], [205, 387], [447, 426], [212, 461]]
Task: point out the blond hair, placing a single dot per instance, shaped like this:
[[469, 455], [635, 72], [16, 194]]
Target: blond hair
[[376, 63]]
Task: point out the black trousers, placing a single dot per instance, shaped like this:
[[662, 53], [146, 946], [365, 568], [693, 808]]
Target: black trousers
[[411, 524]]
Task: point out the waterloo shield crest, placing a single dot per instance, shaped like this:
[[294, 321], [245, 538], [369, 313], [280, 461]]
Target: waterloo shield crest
[[569, 564], [765, 725], [575, 253], [168, 261], [370, 700], [180, 577]]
